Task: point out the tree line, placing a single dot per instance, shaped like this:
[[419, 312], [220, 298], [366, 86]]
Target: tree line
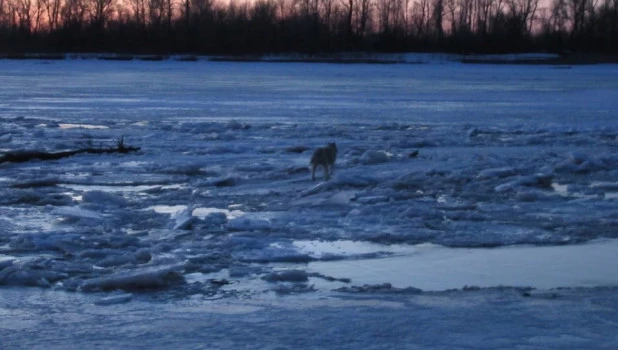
[[307, 26]]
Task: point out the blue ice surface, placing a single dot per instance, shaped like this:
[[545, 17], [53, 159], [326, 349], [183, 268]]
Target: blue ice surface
[[467, 158]]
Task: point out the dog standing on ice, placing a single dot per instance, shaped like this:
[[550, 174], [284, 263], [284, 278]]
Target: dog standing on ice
[[324, 157]]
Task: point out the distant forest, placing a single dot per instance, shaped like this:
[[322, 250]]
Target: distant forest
[[308, 26]]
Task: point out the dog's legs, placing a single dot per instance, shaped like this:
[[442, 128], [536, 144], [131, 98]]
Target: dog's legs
[[313, 172], [326, 172]]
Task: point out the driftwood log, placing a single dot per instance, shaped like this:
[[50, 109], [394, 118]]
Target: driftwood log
[[26, 156]]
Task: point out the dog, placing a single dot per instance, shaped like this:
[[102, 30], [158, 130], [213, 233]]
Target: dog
[[324, 157]]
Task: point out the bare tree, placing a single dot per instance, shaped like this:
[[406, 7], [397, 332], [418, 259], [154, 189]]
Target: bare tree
[[202, 9], [314, 25], [100, 11], [186, 11], [74, 12], [421, 15], [282, 9], [483, 14], [138, 7], [383, 14], [169, 11], [392, 16], [578, 9], [52, 10], [451, 7], [24, 14], [466, 14], [437, 17], [524, 11], [349, 7], [327, 9], [157, 11], [364, 12], [3, 19]]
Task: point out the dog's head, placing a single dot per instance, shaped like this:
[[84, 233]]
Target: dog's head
[[332, 146]]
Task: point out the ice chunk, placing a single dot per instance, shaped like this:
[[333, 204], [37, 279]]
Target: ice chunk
[[356, 180], [226, 181], [249, 249], [16, 275], [605, 186], [77, 213], [59, 241], [497, 172], [531, 195], [147, 278], [341, 198], [117, 260], [296, 288], [287, 276], [372, 199], [375, 157], [189, 169], [183, 219], [215, 219], [236, 125], [322, 186], [537, 180], [6, 262], [115, 299], [36, 183], [577, 162], [248, 223], [106, 198], [379, 288], [71, 268], [143, 255]]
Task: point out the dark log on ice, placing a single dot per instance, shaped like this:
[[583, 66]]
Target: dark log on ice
[[26, 156]]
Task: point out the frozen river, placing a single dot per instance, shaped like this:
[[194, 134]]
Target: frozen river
[[492, 187]]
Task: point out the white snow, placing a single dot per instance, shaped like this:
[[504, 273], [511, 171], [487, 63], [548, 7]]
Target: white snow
[[248, 223], [115, 299], [183, 219], [487, 179], [435, 268], [77, 213], [374, 157]]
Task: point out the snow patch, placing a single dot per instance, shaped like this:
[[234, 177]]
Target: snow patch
[[287, 276], [77, 213], [375, 157], [183, 219], [115, 299], [248, 222]]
